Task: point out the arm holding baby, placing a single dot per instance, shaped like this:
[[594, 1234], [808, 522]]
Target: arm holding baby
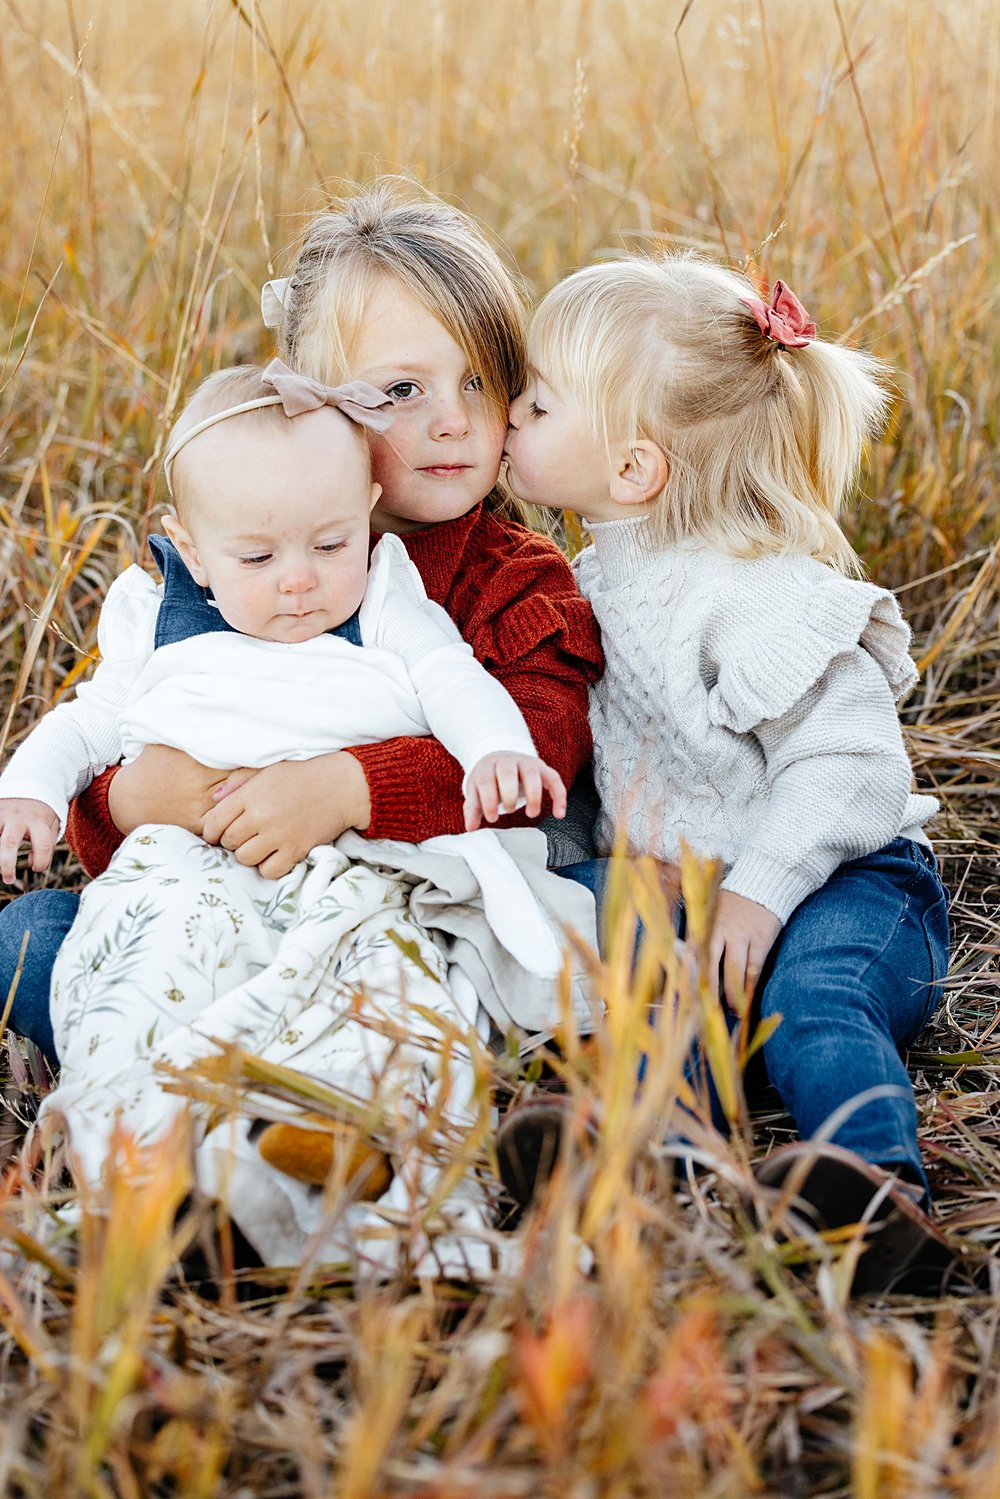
[[270, 817]]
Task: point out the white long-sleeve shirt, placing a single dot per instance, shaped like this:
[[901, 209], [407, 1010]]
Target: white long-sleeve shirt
[[747, 708], [229, 699]]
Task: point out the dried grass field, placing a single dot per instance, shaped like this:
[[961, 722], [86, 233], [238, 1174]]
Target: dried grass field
[[156, 163]]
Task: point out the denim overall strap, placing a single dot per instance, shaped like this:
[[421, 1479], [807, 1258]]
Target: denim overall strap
[[187, 609], [350, 630]]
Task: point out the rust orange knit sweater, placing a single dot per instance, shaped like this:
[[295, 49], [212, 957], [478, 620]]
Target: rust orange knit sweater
[[512, 595]]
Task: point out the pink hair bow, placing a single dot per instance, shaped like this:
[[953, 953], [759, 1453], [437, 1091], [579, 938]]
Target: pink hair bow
[[358, 400], [786, 321]]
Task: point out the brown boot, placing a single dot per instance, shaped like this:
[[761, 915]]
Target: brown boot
[[530, 1141], [904, 1251], [309, 1155]]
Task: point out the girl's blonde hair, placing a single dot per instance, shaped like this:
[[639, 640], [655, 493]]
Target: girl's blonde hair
[[390, 228], [764, 443]]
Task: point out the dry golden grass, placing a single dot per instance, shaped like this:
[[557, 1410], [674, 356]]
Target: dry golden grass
[[156, 162]]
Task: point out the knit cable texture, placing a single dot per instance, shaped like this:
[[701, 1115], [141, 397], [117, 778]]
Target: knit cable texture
[[748, 708]]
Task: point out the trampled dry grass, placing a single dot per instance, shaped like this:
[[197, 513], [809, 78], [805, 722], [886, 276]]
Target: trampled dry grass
[[156, 162]]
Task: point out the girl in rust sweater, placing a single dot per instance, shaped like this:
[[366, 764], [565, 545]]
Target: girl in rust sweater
[[405, 292]]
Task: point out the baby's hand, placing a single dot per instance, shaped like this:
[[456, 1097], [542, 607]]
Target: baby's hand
[[501, 783], [23, 820]]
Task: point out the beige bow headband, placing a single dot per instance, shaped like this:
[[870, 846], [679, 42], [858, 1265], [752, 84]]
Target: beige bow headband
[[360, 402]]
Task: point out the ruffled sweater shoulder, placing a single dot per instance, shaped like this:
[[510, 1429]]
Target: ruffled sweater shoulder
[[776, 624]]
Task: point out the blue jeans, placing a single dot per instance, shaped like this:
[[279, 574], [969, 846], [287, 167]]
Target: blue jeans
[[46, 915], [855, 975]]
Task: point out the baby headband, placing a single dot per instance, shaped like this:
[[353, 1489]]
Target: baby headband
[[296, 393], [785, 321], [272, 300]]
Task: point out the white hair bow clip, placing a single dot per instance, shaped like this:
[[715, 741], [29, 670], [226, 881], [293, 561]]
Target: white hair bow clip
[[273, 295]]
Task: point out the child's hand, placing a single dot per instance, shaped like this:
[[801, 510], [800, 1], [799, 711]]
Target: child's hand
[[498, 784], [23, 820], [742, 937], [166, 785], [273, 819]]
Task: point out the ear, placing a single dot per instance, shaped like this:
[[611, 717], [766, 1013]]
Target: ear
[[181, 539], [639, 473], [376, 495]]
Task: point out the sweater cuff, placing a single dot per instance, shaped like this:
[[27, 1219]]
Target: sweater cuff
[[404, 805], [90, 829], [759, 877]]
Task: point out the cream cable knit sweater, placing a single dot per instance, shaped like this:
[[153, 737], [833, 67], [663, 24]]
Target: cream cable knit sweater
[[749, 708]]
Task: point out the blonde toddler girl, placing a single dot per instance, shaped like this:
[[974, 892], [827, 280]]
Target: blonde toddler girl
[[748, 707]]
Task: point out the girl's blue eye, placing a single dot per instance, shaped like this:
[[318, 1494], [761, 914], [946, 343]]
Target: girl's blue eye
[[476, 383], [403, 390]]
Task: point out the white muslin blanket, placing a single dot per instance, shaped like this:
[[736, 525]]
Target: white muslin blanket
[[346, 969]]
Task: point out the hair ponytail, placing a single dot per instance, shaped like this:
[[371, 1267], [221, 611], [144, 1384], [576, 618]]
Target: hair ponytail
[[844, 403]]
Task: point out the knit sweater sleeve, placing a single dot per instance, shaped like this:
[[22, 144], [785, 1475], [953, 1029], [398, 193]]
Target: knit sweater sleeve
[[90, 829], [779, 626], [839, 782], [813, 674], [527, 623], [465, 708]]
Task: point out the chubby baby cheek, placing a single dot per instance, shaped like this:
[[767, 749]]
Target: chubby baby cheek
[[255, 606]]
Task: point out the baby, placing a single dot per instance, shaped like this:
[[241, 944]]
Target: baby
[[308, 650]]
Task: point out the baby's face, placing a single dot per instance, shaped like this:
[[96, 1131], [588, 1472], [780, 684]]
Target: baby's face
[[277, 523], [554, 457]]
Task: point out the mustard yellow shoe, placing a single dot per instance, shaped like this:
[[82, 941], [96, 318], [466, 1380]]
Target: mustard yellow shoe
[[309, 1155]]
